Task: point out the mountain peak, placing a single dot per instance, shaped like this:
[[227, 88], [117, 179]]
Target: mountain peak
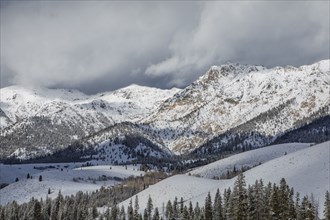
[[268, 102], [236, 68], [227, 71]]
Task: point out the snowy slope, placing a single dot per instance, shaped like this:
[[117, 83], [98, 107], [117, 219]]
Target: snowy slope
[[246, 159], [9, 172], [19, 102], [307, 170], [69, 181], [187, 187]]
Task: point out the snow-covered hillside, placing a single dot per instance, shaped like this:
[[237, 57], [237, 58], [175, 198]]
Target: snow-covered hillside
[[69, 181], [307, 170], [248, 159], [9, 172]]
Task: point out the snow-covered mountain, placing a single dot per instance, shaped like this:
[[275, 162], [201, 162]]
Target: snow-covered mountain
[[127, 104], [231, 106], [34, 120], [243, 99]]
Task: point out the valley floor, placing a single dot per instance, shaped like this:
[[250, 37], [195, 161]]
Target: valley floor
[[67, 178], [305, 167]]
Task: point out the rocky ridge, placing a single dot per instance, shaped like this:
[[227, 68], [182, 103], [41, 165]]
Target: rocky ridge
[[244, 105]]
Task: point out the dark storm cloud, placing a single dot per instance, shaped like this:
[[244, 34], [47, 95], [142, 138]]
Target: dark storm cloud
[[266, 33], [97, 46]]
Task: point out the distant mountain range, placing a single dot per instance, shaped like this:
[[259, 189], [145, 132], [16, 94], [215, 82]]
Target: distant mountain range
[[230, 107]]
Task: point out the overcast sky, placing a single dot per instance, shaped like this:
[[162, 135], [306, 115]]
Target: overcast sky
[[105, 45]]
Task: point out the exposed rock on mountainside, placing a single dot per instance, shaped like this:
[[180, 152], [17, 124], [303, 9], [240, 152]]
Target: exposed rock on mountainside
[[232, 106], [266, 101]]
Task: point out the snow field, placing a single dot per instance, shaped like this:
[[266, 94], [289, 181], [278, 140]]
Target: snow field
[[307, 170], [68, 181], [247, 159]]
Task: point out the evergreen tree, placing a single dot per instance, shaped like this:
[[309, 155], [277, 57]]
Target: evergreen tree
[[266, 211], [169, 210], [94, 212], [149, 207], [130, 214], [56, 207], [283, 199], [185, 213], [314, 204], [181, 206], [326, 211], [292, 209], [260, 201], [240, 198], [114, 213], [310, 212], [68, 211], [297, 205], [145, 214], [82, 210], [202, 214], [107, 215], [275, 206], [191, 210], [13, 211], [252, 201], [208, 207], [228, 210], [156, 214], [307, 210], [175, 208], [217, 208], [122, 215], [303, 208], [28, 176], [136, 208], [46, 209], [40, 178], [2, 213], [198, 212]]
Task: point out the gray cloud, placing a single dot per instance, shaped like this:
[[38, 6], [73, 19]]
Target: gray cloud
[[267, 33], [97, 46]]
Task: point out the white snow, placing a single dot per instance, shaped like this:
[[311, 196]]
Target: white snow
[[225, 97], [187, 187], [232, 94], [82, 115], [69, 181], [246, 159], [307, 170], [127, 104]]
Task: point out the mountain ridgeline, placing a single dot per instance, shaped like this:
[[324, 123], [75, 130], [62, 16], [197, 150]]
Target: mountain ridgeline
[[231, 107]]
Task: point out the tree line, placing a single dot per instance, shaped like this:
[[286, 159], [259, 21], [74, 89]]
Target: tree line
[[242, 202]]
